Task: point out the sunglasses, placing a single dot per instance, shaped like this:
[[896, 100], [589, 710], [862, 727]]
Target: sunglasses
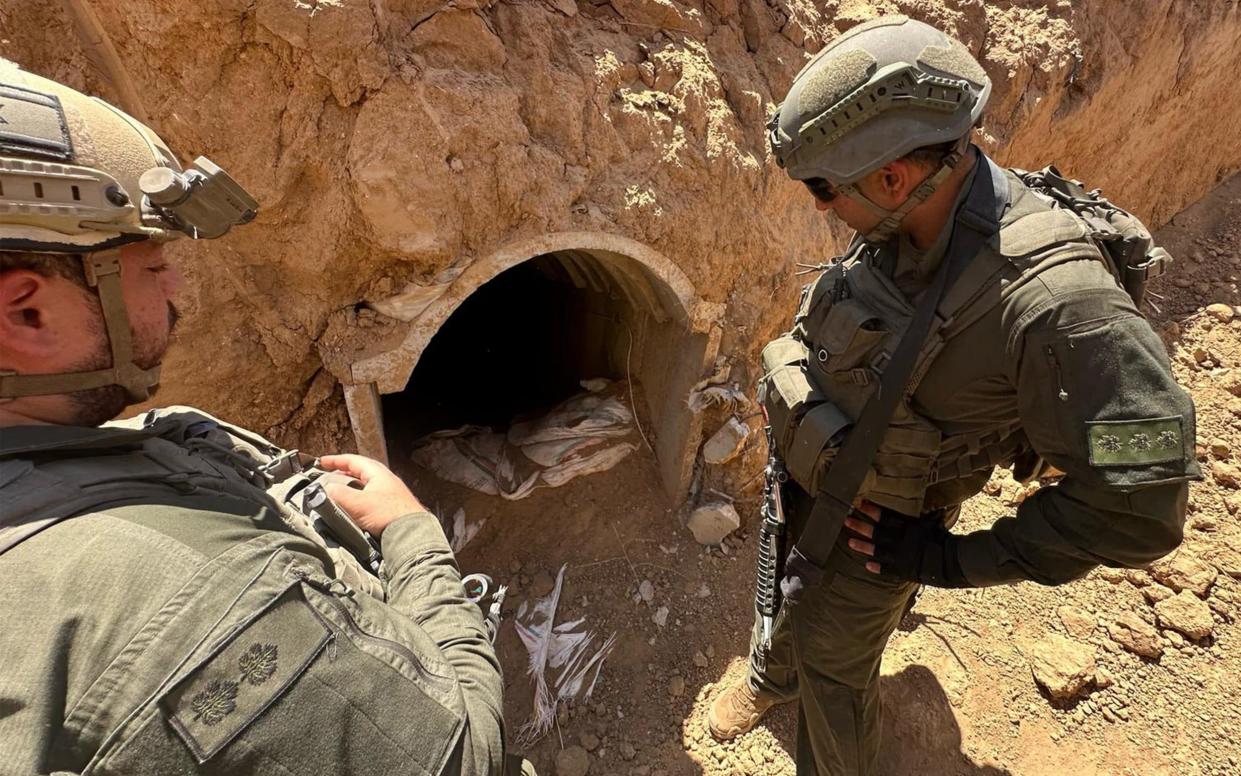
[[821, 188]]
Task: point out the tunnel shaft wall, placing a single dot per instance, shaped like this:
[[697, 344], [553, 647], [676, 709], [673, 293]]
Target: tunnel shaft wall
[[389, 142]]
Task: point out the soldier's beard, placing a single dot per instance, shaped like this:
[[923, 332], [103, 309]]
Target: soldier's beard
[[94, 406]]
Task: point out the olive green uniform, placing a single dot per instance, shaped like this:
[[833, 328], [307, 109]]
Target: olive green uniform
[[198, 633], [1049, 358]]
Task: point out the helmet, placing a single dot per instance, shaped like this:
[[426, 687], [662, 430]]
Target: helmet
[[879, 91], [78, 176]]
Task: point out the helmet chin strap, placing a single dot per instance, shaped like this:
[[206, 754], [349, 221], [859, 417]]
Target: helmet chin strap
[[891, 219], [103, 273]]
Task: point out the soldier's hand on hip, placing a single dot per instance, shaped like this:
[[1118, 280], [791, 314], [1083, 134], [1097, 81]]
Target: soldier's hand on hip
[[865, 528], [918, 549], [382, 498]]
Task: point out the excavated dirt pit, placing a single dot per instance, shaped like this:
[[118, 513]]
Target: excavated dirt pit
[[958, 687]]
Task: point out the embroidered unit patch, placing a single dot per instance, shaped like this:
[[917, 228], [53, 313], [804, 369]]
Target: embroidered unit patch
[[1135, 442]]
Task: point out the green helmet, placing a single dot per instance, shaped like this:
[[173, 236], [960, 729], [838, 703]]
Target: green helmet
[[879, 91], [79, 177]]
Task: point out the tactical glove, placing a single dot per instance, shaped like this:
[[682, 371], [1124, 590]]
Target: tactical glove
[[917, 549]]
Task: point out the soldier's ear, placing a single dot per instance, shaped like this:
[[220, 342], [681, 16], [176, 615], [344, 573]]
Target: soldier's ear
[[26, 298], [896, 180]]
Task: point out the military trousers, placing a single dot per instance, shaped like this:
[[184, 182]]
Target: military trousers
[[826, 652]]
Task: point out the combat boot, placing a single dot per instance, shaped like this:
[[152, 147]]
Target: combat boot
[[737, 710]]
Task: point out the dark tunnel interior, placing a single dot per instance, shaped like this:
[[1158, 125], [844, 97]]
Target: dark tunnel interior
[[517, 346]]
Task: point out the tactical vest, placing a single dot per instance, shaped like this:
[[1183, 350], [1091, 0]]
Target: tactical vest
[[177, 451], [818, 377]]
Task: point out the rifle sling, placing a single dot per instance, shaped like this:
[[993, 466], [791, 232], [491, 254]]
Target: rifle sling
[[975, 222]]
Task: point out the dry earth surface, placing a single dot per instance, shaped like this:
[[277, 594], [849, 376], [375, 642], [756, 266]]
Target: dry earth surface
[[960, 693]]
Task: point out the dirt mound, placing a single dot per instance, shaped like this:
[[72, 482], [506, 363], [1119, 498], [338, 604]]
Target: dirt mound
[[389, 140]]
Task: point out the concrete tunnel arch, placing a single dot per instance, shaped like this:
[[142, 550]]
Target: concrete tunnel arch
[[673, 334]]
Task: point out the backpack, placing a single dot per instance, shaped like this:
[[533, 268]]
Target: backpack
[[1120, 236], [53, 476]]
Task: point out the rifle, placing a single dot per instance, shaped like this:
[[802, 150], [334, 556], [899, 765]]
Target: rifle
[[771, 545]]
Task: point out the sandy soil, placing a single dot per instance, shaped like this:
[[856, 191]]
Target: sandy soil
[[958, 686]]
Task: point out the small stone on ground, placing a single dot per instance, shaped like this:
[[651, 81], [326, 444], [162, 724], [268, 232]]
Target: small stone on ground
[[1186, 613], [572, 762], [710, 523], [1061, 666], [1136, 635]]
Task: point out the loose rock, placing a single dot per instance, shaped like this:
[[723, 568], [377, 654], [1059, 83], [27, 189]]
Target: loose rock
[[542, 584], [573, 761], [725, 444], [1185, 572], [1186, 613], [710, 523], [1220, 448], [1062, 666], [1226, 475], [1136, 635], [1221, 312], [646, 591], [661, 616], [1078, 622], [676, 686], [1156, 593]]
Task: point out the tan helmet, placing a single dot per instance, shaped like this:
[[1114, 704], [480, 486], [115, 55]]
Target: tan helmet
[[78, 176], [879, 91]]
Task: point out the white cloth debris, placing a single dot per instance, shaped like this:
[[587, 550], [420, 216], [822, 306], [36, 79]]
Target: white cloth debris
[[583, 435], [462, 533], [732, 399], [564, 660]]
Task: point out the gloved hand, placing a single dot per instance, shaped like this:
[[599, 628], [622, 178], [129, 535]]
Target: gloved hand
[[919, 549]]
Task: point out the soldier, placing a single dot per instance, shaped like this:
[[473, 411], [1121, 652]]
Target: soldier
[[1035, 356], [167, 609]]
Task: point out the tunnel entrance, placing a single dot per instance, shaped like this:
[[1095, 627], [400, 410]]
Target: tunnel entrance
[[516, 333], [520, 344]]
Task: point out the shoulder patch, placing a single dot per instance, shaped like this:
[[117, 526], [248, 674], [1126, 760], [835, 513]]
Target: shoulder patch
[[1135, 442], [1038, 230], [240, 679], [33, 124]]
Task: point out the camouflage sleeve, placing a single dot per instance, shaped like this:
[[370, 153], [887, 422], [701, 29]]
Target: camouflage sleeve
[[1097, 400], [423, 583]]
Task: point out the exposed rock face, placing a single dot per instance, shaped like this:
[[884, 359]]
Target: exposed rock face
[[390, 141]]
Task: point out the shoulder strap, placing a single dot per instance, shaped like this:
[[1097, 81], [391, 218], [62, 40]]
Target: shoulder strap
[[975, 223]]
